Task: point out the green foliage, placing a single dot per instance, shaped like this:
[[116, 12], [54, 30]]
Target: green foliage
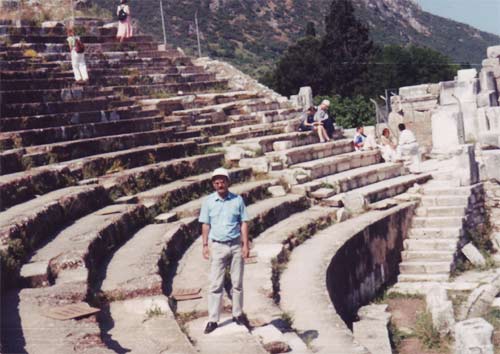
[[350, 112], [154, 311], [396, 336], [395, 66], [425, 331]]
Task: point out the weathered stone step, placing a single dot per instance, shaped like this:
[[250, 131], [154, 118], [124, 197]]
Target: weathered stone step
[[440, 211], [24, 227], [382, 190], [249, 191], [141, 256], [159, 89], [248, 134], [53, 95], [64, 119], [178, 192], [435, 232], [415, 267], [58, 30], [31, 109], [19, 187], [445, 201], [306, 153], [258, 278], [427, 256], [423, 278], [87, 39], [81, 247], [351, 179], [279, 142], [76, 132], [304, 290], [289, 125], [141, 325], [27, 329], [442, 244], [98, 77], [75, 149], [228, 338], [437, 221], [338, 163], [212, 129], [443, 191]]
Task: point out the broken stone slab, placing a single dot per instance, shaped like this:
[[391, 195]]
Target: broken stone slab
[[441, 309], [276, 166], [480, 300], [354, 202], [490, 62], [496, 240], [466, 74], [234, 153], [282, 145], [473, 255], [258, 164], [305, 97], [342, 215], [371, 331], [166, 217], [52, 24], [496, 303], [276, 191], [323, 193], [473, 336], [493, 52]]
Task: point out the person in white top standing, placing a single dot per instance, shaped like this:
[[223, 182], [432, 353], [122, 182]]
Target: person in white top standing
[[77, 57], [408, 148], [124, 21]]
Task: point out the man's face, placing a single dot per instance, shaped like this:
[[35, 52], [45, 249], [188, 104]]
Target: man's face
[[221, 185]]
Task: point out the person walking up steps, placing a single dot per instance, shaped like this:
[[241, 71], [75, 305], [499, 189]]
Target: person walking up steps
[[77, 57], [224, 220], [124, 21]]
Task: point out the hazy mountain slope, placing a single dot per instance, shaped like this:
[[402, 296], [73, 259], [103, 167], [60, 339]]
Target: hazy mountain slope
[[252, 34]]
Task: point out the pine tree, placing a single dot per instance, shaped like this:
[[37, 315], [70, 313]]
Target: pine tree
[[346, 50]]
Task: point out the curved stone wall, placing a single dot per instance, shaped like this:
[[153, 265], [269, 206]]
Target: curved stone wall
[[368, 261]]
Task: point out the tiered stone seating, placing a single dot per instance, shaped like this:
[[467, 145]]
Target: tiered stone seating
[[87, 171]]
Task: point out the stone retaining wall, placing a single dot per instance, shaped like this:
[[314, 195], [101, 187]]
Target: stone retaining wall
[[367, 263]]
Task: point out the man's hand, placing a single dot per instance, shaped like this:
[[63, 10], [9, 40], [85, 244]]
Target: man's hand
[[206, 252], [245, 251]]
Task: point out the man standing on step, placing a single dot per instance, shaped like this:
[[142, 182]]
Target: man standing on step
[[224, 221]]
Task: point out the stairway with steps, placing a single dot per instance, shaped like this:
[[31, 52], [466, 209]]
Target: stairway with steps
[[86, 171], [437, 233]]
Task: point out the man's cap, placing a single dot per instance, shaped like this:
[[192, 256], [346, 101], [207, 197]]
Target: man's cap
[[220, 172]]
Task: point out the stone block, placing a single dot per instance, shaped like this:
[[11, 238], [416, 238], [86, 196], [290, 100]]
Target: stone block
[[491, 62], [258, 164], [466, 74], [277, 191], [276, 166], [487, 81], [371, 331], [234, 153], [342, 215], [496, 240], [414, 91], [465, 166], [487, 99], [473, 255], [493, 52], [52, 24], [282, 145], [323, 193], [441, 309], [473, 336], [305, 97], [354, 202], [496, 303]]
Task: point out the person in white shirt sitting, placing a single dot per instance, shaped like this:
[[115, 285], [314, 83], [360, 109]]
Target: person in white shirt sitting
[[408, 148]]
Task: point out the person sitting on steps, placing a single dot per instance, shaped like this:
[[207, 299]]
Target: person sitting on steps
[[321, 121]]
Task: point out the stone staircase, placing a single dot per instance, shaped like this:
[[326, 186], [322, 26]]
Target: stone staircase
[[100, 187], [437, 233]]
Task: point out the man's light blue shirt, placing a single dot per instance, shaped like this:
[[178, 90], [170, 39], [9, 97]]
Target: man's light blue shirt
[[224, 216]]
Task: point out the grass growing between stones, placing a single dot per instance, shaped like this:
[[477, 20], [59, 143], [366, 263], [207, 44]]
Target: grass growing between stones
[[154, 311], [425, 331]]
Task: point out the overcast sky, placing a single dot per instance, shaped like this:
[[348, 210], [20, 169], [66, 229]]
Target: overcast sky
[[482, 14]]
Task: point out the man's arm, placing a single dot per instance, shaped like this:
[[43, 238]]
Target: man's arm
[[205, 230], [245, 247]]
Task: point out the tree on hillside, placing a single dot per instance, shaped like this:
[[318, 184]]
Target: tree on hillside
[[346, 50], [397, 67], [310, 29], [298, 66]]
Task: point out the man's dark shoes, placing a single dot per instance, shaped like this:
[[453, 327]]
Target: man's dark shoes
[[241, 320], [211, 326]]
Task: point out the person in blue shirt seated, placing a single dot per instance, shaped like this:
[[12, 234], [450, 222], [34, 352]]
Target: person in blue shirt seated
[[224, 220], [359, 138]]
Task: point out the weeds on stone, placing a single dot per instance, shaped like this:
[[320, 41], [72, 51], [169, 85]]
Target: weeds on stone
[[425, 331], [161, 94], [383, 297], [151, 159], [396, 336], [30, 53], [287, 319], [117, 166], [154, 311], [326, 185], [457, 301]]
